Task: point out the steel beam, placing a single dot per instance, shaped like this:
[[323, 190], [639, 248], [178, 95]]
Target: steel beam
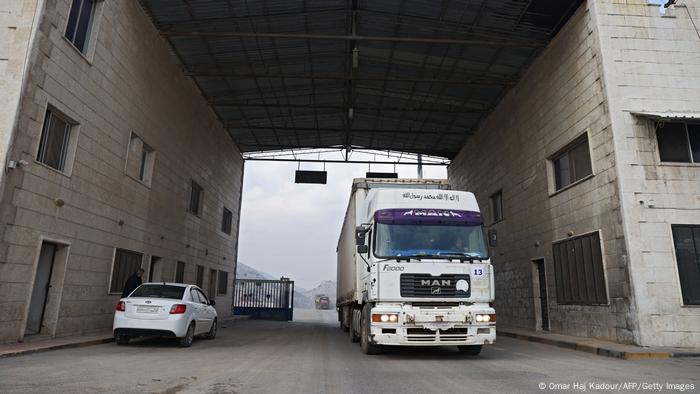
[[339, 130], [446, 163], [336, 37], [468, 81], [341, 107]]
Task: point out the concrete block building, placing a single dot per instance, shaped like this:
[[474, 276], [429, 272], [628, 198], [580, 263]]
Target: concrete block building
[[591, 168], [114, 161]]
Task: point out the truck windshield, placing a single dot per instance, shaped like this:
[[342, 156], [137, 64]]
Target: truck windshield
[[396, 240]]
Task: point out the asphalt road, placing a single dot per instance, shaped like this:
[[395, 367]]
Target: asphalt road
[[312, 355]]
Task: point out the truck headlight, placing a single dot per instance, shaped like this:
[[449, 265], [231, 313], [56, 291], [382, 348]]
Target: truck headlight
[[482, 318], [385, 318]]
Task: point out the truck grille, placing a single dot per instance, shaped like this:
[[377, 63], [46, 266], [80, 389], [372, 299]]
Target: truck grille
[[425, 335], [428, 286]]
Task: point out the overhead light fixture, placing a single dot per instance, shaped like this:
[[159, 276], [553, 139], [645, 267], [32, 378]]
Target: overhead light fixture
[[355, 58], [351, 113]]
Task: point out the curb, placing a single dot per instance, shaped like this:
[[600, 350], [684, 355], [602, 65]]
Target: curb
[[232, 319], [91, 342], [599, 350]]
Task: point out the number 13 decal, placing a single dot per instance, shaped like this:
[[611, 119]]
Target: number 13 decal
[[478, 272]]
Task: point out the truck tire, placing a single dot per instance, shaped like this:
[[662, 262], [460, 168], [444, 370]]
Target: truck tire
[[470, 350], [343, 323], [354, 335], [365, 342]]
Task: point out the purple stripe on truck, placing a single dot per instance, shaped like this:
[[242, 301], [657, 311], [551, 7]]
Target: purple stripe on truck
[[428, 216]]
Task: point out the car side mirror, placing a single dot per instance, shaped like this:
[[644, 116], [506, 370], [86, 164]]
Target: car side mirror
[[362, 249], [212, 302]]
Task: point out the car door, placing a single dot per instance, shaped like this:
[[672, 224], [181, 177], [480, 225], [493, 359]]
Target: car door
[[197, 311], [207, 315]]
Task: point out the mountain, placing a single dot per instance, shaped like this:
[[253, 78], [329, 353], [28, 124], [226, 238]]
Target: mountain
[[247, 272]]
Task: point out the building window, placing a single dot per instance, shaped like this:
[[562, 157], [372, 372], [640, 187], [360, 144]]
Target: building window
[[196, 198], [200, 276], [678, 142], [578, 271], [80, 23], [226, 221], [222, 288], [55, 136], [497, 206], [140, 160], [687, 243], [572, 164], [180, 272], [125, 264]]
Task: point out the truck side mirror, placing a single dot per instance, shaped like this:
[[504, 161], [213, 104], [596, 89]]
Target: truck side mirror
[[360, 235], [362, 249]]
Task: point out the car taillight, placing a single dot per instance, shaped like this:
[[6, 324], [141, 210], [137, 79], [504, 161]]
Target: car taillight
[[178, 308], [121, 307]]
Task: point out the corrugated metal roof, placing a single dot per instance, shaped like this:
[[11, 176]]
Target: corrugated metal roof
[[403, 75], [668, 115]]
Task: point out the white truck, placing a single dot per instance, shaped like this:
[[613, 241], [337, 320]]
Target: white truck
[[414, 268]]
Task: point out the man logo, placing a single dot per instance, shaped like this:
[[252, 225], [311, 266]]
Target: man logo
[[435, 282], [435, 290], [462, 285]]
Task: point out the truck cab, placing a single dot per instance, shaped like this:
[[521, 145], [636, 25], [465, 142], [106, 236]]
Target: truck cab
[[421, 269]]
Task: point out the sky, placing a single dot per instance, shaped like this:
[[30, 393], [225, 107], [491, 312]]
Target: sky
[[292, 230]]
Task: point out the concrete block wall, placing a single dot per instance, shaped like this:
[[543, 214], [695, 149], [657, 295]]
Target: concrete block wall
[[651, 64], [558, 98], [17, 25], [128, 83]]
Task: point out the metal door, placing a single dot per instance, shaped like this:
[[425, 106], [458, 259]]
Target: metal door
[[264, 299], [542, 280], [42, 282]]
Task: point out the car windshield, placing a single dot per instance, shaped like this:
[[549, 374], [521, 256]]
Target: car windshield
[[395, 240], [159, 291]]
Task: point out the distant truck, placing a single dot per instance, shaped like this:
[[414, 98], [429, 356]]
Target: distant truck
[[413, 267], [323, 302]]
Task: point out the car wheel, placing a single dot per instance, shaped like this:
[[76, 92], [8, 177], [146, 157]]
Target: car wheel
[[470, 350], [122, 339], [212, 331], [186, 341], [365, 342]]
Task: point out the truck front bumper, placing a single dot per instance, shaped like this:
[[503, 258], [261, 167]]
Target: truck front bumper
[[419, 326]]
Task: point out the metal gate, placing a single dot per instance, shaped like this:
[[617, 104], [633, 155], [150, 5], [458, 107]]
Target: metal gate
[[264, 299]]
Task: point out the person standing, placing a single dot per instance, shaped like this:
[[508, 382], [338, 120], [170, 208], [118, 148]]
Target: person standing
[[133, 282]]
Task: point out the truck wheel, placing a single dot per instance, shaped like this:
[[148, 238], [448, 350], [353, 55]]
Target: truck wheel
[[354, 337], [470, 350], [122, 339], [343, 325], [367, 346]]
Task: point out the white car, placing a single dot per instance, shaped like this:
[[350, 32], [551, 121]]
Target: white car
[[172, 310]]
